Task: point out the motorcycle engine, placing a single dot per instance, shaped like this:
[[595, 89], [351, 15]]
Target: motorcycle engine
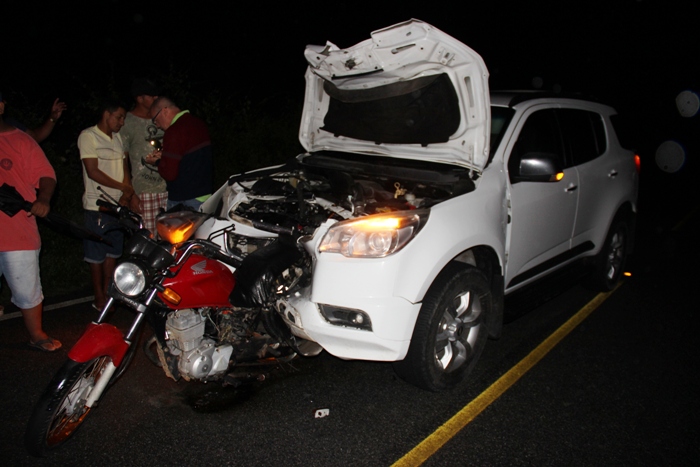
[[198, 356]]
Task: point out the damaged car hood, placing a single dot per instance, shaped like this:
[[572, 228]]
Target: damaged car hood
[[410, 91]]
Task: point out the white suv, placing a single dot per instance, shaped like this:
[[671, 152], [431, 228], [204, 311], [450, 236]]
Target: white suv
[[420, 202]]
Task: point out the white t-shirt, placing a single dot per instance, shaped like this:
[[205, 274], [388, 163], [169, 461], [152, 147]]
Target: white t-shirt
[[93, 143]]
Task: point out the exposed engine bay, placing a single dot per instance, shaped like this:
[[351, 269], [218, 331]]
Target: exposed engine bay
[[301, 195], [279, 210]]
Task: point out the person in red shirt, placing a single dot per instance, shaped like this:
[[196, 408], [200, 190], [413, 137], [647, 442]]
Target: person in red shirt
[[186, 161], [24, 166]]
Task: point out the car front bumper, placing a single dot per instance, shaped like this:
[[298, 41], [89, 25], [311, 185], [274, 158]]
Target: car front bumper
[[392, 321]]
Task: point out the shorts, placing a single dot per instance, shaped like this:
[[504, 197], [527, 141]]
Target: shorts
[[21, 269], [151, 203], [107, 227]]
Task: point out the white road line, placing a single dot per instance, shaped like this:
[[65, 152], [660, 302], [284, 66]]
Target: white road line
[[55, 306]]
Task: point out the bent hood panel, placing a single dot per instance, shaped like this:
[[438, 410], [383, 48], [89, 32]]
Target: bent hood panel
[[357, 99]]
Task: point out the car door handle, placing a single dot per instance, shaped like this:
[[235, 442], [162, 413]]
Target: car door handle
[[571, 188], [612, 174]]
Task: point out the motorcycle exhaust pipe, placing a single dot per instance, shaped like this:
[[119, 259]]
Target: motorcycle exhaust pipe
[[239, 379]]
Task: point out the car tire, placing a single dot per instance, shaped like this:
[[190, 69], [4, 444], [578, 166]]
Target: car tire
[[451, 331], [610, 262]]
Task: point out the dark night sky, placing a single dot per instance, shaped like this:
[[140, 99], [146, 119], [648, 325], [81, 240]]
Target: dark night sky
[[636, 54], [576, 46]]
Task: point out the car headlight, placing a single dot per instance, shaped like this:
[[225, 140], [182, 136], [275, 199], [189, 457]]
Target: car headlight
[[374, 236], [130, 278]]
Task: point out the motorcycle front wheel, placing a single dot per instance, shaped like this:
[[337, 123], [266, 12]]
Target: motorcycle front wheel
[[61, 410]]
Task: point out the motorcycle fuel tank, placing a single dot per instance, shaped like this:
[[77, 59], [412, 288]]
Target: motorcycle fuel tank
[[201, 282]]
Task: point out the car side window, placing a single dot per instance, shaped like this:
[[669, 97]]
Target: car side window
[[584, 134], [540, 134]]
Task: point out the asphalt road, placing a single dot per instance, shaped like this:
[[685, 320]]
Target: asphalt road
[[620, 389]]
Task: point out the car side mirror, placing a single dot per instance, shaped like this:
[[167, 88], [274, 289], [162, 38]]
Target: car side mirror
[[537, 167]]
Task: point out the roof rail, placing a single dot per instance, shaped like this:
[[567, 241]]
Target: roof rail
[[517, 96]]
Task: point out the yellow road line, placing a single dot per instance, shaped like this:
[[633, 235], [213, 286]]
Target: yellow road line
[[442, 435]]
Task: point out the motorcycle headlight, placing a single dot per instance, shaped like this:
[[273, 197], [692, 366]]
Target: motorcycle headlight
[[374, 236], [130, 278]]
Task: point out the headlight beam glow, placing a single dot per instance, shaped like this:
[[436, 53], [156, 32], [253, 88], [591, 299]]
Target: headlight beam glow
[[374, 236]]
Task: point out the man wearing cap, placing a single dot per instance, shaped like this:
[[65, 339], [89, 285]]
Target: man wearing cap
[[186, 161], [140, 137]]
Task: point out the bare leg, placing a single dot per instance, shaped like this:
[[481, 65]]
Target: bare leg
[[96, 272], [32, 321], [108, 272]]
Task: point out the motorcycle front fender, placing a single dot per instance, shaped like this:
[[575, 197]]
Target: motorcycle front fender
[[99, 340]]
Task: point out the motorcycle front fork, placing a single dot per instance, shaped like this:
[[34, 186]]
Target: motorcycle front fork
[[109, 370], [140, 314], [105, 310], [99, 388]]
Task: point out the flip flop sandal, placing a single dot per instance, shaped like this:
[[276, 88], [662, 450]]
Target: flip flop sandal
[[39, 345]]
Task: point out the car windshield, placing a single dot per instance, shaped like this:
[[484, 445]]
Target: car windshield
[[422, 111], [500, 117]]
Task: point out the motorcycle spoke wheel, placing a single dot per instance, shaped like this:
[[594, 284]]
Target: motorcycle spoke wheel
[[73, 410], [61, 410]]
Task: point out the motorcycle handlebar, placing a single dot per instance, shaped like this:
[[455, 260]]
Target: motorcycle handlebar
[[212, 248], [117, 208], [105, 204], [214, 252], [230, 260], [123, 211]]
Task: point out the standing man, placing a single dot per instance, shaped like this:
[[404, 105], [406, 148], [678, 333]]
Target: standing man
[[140, 137], [24, 166], [104, 165], [186, 161]]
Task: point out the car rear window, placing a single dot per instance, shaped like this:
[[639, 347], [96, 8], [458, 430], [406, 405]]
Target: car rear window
[[584, 134]]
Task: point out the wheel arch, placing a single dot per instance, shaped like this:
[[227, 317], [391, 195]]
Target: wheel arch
[[607, 267], [626, 212], [487, 261], [424, 364]]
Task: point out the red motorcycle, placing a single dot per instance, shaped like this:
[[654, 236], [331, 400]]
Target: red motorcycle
[[209, 324]]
